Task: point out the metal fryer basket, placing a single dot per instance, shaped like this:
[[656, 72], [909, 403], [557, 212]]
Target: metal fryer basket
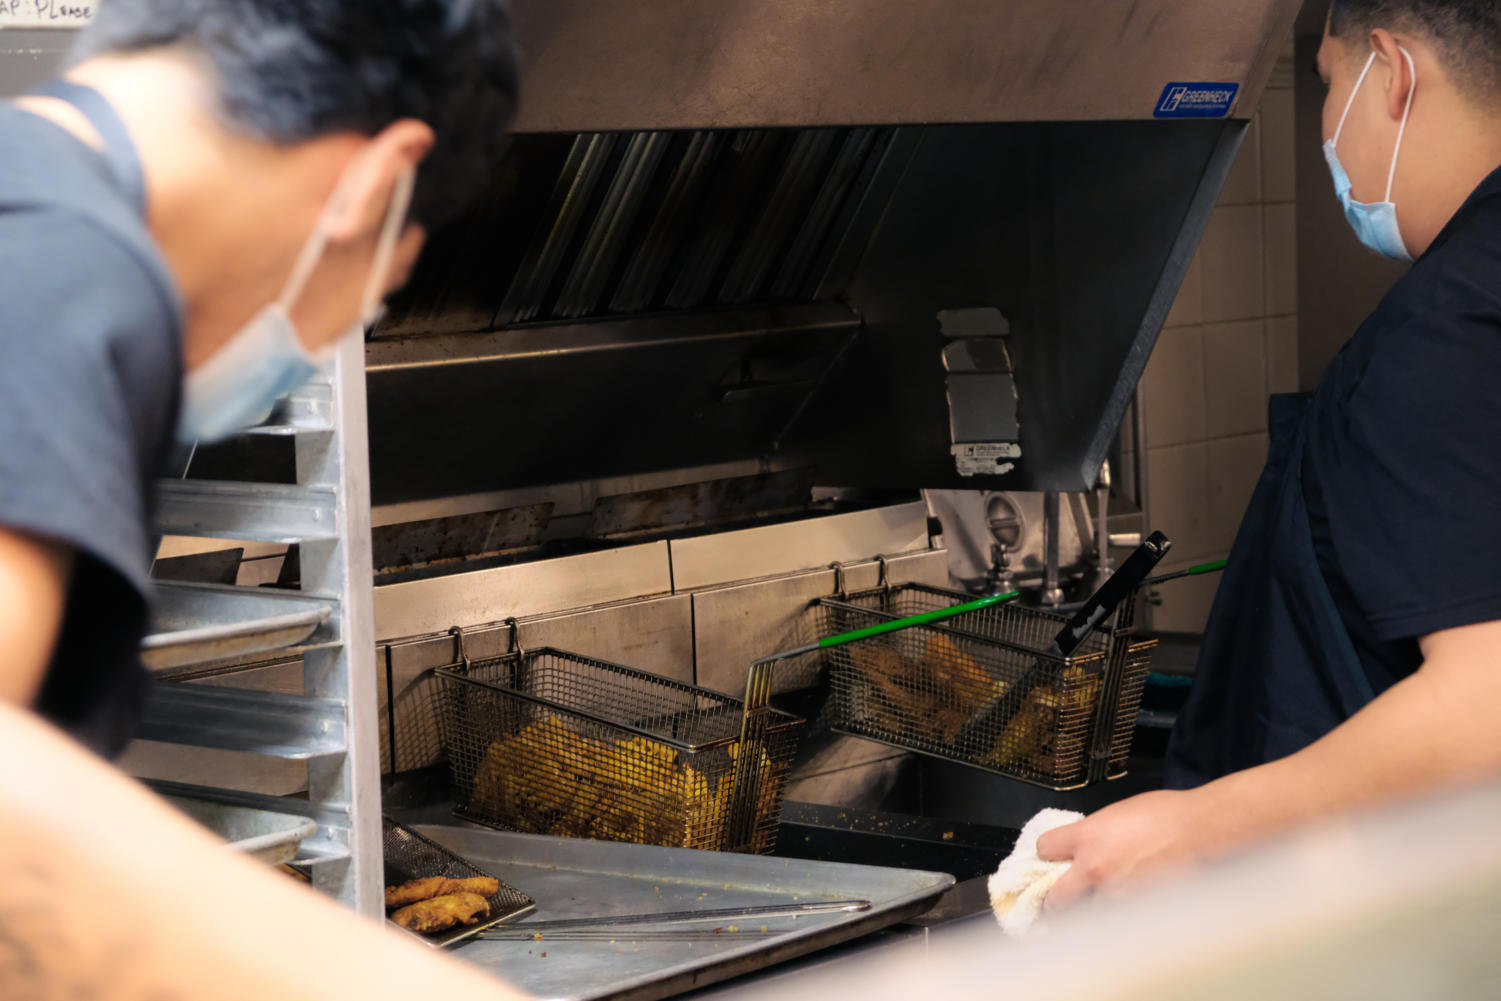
[[408, 856], [549, 742], [921, 688]]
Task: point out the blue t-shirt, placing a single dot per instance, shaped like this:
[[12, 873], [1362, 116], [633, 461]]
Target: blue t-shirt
[[90, 365]]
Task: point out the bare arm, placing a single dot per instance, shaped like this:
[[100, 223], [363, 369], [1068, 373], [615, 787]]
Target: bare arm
[[107, 893], [1441, 726], [148, 906]]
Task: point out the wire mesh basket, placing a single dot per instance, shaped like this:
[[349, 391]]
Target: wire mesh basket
[[982, 689], [549, 742], [408, 856]]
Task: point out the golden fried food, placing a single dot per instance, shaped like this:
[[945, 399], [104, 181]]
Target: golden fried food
[[485, 886], [930, 701], [443, 913], [414, 890], [549, 779]]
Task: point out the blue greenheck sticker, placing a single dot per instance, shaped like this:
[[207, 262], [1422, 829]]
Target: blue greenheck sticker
[[1196, 100]]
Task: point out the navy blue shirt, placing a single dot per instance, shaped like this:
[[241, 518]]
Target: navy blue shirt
[[1402, 475], [90, 364], [1375, 524]]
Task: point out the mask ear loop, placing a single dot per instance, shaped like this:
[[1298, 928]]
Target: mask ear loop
[[312, 251], [385, 249], [1412, 67], [1351, 102]]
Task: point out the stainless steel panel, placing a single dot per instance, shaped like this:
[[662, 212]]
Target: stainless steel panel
[[570, 878], [417, 608], [417, 544], [547, 405], [735, 625], [1078, 234], [798, 545], [298, 727], [684, 64], [329, 844], [307, 409], [264, 835], [197, 624], [698, 506], [654, 636], [256, 512]]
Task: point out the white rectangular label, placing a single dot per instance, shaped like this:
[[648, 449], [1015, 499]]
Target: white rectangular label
[[987, 458], [45, 14]]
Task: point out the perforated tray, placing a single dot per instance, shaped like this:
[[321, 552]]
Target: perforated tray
[[408, 855]]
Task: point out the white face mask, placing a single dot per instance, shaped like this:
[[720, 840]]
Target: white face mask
[[237, 387], [1375, 223]]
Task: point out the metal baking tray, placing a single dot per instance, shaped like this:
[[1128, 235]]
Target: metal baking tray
[[408, 855], [200, 623], [272, 838], [589, 879]]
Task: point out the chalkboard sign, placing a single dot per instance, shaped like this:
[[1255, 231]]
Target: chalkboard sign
[[45, 13]]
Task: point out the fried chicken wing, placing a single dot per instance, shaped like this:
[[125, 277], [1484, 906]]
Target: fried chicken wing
[[485, 886], [442, 913], [414, 890]]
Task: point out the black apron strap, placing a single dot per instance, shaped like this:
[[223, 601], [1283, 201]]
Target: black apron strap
[[119, 149]]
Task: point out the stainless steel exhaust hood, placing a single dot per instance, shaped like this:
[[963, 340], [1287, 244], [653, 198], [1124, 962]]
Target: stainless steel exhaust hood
[[911, 245], [597, 65], [908, 244]]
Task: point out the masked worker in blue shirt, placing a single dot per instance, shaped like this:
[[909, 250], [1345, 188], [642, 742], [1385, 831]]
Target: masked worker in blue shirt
[[211, 197], [1354, 651]]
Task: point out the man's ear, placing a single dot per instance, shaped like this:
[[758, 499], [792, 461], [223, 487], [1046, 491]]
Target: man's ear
[[371, 176], [1398, 71]]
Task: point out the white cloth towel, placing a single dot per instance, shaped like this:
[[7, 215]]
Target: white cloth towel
[[1020, 885]]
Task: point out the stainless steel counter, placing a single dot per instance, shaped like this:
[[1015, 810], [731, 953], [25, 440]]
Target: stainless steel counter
[[571, 878]]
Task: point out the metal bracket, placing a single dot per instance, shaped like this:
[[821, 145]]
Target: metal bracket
[[516, 647], [295, 727], [840, 590], [460, 655]]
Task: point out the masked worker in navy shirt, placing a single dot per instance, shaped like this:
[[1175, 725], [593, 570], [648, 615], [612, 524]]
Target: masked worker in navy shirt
[[212, 196], [1353, 654]]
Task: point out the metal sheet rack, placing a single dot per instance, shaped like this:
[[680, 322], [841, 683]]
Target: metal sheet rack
[[331, 723]]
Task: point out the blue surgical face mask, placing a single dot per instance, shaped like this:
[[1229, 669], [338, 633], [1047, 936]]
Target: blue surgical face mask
[[1375, 223], [237, 387]]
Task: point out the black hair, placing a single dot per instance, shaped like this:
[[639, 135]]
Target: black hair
[[1466, 34], [291, 70]]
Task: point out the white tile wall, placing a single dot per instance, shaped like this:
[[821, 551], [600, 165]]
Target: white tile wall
[[1279, 231], [1231, 341], [1178, 477], [1282, 354], [1278, 152], [1174, 385], [1233, 266], [1235, 366]]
